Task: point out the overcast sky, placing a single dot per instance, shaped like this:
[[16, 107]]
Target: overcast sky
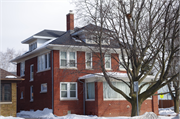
[[21, 19]]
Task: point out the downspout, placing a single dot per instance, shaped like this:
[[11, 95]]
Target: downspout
[[84, 105], [52, 83]]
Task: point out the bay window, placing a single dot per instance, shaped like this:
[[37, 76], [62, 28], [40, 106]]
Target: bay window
[[22, 65], [44, 62]]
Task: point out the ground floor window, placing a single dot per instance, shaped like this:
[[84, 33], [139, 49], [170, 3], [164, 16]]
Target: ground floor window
[[68, 90], [5, 92], [90, 90], [31, 94], [109, 93]]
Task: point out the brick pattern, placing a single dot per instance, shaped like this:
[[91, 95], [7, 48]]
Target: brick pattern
[[98, 107], [10, 109]]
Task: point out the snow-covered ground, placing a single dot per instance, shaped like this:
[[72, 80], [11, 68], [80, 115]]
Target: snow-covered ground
[[165, 113]]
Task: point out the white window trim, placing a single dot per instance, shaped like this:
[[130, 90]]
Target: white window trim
[[67, 53], [121, 60], [68, 91], [86, 92], [21, 95], [43, 91], [31, 100], [105, 61], [31, 77], [43, 62], [22, 68], [87, 60]]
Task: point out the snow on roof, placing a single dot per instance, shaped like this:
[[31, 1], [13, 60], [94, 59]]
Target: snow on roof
[[113, 74], [11, 77]]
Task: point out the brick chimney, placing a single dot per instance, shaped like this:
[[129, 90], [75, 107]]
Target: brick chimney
[[70, 20]]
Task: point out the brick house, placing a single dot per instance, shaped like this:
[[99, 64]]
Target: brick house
[[61, 73], [8, 101]]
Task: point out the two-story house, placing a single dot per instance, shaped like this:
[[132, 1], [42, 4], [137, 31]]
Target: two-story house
[[63, 74]]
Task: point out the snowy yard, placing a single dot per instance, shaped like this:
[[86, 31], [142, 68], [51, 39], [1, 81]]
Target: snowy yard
[[165, 113]]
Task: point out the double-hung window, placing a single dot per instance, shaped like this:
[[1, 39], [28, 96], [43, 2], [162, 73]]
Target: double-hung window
[[88, 60], [31, 94], [5, 92], [68, 59], [32, 72], [22, 65], [121, 61], [107, 60], [90, 91], [44, 62], [68, 90]]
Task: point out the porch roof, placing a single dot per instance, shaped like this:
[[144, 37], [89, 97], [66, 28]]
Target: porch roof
[[114, 75]]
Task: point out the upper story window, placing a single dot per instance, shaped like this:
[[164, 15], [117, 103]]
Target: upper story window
[[5, 92], [121, 61], [68, 90], [32, 46], [22, 68], [107, 60], [68, 59], [88, 60], [32, 72], [44, 62]]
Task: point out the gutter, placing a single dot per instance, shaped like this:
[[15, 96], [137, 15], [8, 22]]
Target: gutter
[[84, 105]]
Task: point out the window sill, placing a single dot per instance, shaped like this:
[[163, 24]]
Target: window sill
[[89, 69], [73, 68], [68, 99], [43, 70], [5, 103], [31, 100], [31, 80], [22, 75], [90, 99], [43, 92], [108, 69]]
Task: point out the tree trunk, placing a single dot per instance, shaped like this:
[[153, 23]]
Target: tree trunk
[[134, 107], [176, 104]]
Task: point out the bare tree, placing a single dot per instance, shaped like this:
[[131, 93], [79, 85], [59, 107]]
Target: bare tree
[[6, 57], [141, 29]]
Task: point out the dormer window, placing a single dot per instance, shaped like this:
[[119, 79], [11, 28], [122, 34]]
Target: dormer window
[[32, 46]]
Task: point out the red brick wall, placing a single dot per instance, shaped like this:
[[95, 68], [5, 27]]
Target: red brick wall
[[41, 100], [115, 108]]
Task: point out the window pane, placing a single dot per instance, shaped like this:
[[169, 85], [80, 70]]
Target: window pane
[[63, 55], [72, 86], [90, 90], [43, 87], [72, 63], [72, 55], [63, 62], [63, 86], [88, 55], [7, 92], [46, 60], [72, 93], [49, 60], [63, 93], [108, 65], [88, 63]]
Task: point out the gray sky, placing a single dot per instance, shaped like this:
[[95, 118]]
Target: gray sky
[[21, 19]]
